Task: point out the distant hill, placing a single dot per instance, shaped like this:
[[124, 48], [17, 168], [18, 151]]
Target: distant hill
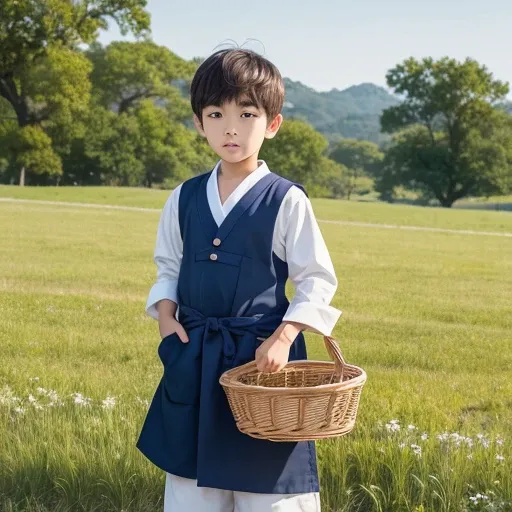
[[349, 113]]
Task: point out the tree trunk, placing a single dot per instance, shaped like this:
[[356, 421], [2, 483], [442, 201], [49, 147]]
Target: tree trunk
[[446, 202], [22, 177], [9, 91]]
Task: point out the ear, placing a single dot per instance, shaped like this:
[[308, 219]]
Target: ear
[[199, 126], [273, 127]]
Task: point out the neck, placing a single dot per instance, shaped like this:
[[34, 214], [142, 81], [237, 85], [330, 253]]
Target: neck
[[241, 169]]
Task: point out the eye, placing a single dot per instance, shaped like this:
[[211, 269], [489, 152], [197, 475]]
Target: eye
[[215, 115], [248, 115]]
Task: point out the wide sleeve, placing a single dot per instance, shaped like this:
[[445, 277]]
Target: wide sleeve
[[167, 255], [299, 241]]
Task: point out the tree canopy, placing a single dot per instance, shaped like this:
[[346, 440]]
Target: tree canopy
[[450, 140]]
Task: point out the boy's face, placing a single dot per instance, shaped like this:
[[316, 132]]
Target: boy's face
[[236, 130]]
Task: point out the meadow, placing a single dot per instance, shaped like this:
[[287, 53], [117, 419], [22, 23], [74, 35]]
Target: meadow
[[427, 313]]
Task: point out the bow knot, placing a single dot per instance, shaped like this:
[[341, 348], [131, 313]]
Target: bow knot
[[230, 327], [213, 323]]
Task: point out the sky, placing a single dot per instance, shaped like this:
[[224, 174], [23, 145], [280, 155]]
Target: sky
[[328, 44]]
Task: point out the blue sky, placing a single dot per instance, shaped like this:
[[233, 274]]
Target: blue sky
[[335, 43]]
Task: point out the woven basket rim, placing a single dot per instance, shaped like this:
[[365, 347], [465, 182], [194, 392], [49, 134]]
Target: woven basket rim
[[230, 378]]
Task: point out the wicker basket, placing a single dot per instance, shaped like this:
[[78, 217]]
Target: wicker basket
[[306, 400]]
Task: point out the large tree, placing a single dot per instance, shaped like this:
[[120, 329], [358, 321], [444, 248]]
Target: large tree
[[127, 73], [450, 139], [135, 131], [42, 77]]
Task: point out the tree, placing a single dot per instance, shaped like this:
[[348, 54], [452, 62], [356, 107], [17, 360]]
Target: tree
[[361, 158], [126, 73], [41, 75], [298, 153], [136, 135], [447, 110], [143, 146]]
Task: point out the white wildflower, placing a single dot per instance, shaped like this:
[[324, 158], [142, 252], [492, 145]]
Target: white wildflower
[[34, 379], [393, 426], [470, 456], [500, 457], [31, 399], [6, 395], [424, 436], [468, 441], [411, 427], [416, 449], [499, 441], [52, 395], [81, 400], [402, 445], [109, 402], [19, 410]]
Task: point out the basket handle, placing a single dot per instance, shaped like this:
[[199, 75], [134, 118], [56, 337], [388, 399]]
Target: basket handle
[[334, 351]]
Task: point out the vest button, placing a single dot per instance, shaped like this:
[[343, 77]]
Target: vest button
[[213, 257], [216, 242]]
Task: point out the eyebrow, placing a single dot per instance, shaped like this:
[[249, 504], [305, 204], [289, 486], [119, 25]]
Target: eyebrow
[[247, 103]]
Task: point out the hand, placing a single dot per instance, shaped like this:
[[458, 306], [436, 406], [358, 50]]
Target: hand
[[167, 320], [272, 355], [169, 325]]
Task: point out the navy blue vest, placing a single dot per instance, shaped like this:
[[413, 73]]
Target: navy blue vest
[[231, 290]]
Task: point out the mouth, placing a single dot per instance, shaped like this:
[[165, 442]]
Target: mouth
[[231, 145]]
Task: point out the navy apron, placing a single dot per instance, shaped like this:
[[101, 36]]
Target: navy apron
[[231, 290]]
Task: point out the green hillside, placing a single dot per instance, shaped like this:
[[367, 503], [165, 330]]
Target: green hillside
[[350, 113]]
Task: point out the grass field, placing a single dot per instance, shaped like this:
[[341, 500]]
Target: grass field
[[427, 314]]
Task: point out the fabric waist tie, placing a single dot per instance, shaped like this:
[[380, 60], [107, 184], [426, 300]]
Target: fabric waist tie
[[261, 325]]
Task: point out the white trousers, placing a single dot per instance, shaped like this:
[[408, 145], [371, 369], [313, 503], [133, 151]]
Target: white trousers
[[183, 495]]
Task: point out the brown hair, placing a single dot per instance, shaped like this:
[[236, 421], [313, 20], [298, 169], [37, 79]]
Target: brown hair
[[241, 75]]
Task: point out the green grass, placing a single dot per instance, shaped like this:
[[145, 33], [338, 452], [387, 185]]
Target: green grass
[[490, 199], [328, 209], [426, 314]]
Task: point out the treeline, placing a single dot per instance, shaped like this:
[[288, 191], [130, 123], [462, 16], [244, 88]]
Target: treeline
[[73, 112]]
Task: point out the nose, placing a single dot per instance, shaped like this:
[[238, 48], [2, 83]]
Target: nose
[[230, 131]]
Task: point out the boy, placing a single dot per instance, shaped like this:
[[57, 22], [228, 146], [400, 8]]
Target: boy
[[227, 242]]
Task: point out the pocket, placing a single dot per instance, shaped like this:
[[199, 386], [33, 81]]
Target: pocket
[[182, 369], [164, 347]]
